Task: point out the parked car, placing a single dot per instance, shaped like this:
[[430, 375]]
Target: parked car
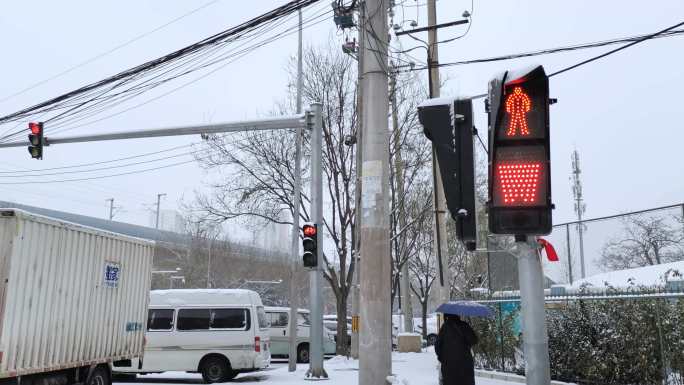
[[216, 332], [73, 300], [279, 318], [332, 329]]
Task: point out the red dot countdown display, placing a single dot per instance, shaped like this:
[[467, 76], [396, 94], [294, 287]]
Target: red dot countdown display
[[519, 182]]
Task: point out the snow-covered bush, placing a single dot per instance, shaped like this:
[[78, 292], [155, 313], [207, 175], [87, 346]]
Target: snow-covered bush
[[489, 349]]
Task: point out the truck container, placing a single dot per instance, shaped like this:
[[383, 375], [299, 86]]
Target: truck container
[[73, 300]]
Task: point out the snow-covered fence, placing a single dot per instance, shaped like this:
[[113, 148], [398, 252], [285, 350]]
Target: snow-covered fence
[[631, 335]]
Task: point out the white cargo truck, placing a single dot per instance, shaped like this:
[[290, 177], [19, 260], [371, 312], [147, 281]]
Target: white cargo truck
[[73, 301]]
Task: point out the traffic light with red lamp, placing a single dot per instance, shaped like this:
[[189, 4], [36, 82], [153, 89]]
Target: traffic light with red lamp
[[36, 140], [519, 153], [310, 244]]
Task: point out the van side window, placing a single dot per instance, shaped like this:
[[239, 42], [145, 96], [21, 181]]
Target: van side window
[[279, 320], [160, 319], [193, 319], [230, 319]]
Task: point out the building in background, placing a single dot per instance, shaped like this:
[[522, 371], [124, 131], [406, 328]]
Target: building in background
[[169, 220]]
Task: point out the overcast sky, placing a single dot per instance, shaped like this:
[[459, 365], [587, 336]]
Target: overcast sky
[[623, 113]]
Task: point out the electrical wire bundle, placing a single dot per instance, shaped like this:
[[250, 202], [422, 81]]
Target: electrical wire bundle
[[70, 110]]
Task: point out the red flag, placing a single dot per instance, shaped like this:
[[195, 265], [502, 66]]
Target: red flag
[[548, 248]]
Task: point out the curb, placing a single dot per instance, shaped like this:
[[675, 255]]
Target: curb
[[508, 377]]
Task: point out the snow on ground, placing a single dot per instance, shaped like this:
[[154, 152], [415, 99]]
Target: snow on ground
[[407, 368]]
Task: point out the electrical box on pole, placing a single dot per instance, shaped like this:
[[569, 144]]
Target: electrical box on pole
[[310, 244], [36, 140], [449, 125], [519, 153]]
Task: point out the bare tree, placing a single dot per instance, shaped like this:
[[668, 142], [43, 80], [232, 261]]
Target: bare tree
[[645, 240], [259, 180]]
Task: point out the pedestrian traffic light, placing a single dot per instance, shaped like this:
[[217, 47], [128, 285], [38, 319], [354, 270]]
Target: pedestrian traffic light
[[519, 153], [310, 244], [35, 147], [449, 125]]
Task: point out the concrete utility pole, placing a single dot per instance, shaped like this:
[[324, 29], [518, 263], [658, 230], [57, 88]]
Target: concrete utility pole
[[406, 308], [375, 345], [356, 243], [535, 337], [316, 369], [156, 225], [294, 296], [111, 208], [440, 244]]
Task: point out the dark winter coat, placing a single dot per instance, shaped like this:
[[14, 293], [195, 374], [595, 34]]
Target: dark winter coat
[[453, 352]]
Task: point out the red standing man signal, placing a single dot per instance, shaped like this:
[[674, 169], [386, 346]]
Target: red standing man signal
[[518, 104]]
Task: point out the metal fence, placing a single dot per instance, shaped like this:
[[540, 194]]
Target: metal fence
[[626, 336], [582, 246]]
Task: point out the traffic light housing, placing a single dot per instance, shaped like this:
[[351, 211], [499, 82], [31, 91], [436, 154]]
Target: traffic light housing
[[519, 153], [449, 125], [310, 244], [36, 140]]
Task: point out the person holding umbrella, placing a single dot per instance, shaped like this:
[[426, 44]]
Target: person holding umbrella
[[456, 338]]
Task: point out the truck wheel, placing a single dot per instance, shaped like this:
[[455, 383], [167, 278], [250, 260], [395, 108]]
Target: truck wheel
[[216, 369], [303, 354], [100, 376], [431, 339]]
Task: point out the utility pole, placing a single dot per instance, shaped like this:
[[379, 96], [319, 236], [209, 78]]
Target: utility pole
[[156, 225], [375, 345], [406, 308], [294, 296], [580, 207], [316, 369], [440, 244], [356, 243], [111, 208]]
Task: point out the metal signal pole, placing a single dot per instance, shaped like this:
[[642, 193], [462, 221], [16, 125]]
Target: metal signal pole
[[294, 297], [316, 369], [535, 337], [375, 345]]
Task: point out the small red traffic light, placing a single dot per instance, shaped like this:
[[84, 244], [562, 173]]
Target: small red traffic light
[[309, 231], [35, 128]]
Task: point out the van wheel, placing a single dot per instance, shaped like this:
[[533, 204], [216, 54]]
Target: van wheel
[[303, 354], [431, 339], [100, 376], [216, 369]]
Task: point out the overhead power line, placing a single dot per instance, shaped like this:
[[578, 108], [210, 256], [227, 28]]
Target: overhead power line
[[103, 54], [634, 39], [128, 76]]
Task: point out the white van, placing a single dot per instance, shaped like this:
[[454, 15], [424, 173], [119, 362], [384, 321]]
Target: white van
[[216, 332], [279, 318]]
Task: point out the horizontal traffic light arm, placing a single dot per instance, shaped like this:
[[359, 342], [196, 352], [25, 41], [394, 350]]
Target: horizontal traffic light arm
[[287, 122]]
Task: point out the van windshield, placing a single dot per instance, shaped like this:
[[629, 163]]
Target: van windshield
[[261, 316]]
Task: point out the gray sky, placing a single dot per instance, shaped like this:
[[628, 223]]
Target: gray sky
[[622, 113]]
